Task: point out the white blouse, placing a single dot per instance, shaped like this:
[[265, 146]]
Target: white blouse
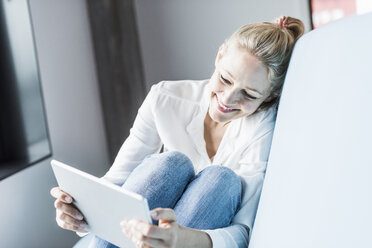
[[173, 115]]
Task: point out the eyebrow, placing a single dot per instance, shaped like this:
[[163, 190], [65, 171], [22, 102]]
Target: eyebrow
[[246, 87]]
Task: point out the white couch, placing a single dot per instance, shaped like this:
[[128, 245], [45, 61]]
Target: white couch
[[318, 187]]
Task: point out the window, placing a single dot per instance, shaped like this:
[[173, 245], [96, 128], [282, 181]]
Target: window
[[23, 132], [326, 11]]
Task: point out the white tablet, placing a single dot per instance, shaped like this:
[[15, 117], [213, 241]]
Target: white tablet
[[104, 205]]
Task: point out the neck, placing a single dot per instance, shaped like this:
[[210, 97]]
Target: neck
[[214, 124]]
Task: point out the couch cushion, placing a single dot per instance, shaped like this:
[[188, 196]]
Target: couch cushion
[[318, 186]]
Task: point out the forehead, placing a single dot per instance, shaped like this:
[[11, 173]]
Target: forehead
[[245, 69]]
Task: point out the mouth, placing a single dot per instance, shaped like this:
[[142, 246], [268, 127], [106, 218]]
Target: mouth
[[223, 108]]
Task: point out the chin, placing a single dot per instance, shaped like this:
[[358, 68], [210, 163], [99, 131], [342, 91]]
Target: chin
[[219, 117]]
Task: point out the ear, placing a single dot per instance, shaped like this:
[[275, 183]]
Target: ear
[[220, 53]]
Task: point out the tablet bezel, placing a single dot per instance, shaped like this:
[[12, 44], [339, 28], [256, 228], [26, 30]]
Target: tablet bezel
[[115, 204]]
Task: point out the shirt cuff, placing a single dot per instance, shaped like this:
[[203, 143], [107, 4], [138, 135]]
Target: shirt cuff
[[217, 238], [80, 234]]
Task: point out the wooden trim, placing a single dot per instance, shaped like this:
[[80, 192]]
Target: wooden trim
[[119, 66]]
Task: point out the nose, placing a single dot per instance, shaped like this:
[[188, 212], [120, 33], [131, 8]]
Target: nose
[[230, 97]]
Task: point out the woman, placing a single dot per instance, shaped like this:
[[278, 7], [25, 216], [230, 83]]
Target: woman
[[226, 121]]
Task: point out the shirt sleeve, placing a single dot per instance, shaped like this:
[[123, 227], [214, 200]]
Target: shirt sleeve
[[142, 141], [233, 236], [252, 172]]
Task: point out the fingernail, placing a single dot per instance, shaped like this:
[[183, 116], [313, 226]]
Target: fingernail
[[83, 225], [79, 217], [154, 214], [68, 199]]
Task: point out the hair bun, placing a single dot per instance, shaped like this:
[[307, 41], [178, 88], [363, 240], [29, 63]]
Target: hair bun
[[296, 27]]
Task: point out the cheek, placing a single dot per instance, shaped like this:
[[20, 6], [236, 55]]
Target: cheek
[[216, 86], [250, 107]]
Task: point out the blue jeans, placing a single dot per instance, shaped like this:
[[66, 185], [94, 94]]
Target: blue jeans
[[208, 200]]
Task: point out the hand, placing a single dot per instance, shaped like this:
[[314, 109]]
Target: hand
[[67, 215], [144, 234]]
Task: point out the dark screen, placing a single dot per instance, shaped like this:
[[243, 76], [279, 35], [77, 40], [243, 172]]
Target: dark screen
[[23, 130]]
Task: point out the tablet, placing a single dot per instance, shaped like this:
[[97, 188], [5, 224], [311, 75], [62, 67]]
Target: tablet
[[104, 205]]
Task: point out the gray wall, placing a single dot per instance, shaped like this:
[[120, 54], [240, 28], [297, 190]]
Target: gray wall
[[180, 39], [75, 123]]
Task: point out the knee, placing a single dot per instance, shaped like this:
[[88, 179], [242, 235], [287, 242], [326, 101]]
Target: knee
[[173, 162], [223, 177]]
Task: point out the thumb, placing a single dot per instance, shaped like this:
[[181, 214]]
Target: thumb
[[166, 214]]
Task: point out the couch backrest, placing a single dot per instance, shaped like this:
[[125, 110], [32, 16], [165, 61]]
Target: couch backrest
[[318, 186]]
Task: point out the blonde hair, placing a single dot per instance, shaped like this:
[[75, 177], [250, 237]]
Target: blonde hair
[[272, 44]]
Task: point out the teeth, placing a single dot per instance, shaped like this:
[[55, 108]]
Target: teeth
[[223, 106]]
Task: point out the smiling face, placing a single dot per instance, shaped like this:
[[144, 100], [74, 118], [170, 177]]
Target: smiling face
[[239, 85]]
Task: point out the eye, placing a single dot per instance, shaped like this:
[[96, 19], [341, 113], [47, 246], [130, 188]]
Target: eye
[[248, 96], [225, 80]]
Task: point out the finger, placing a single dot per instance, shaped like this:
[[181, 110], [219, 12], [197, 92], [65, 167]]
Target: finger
[[167, 214], [68, 219], [56, 192], [133, 230], [68, 209], [144, 228], [128, 231], [161, 237], [69, 226], [151, 242], [139, 244]]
